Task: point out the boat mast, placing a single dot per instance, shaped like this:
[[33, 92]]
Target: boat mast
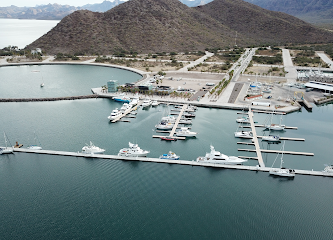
[[282, 154]]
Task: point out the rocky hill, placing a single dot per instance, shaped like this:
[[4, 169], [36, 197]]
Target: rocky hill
[[169, 25], [319, 11]]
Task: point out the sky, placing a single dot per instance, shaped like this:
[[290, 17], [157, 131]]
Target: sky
[[33, 3]]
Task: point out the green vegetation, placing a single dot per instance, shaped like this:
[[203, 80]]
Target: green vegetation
[[268, 60], [65, 57]]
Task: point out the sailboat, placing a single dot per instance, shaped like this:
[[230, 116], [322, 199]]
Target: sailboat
[[282, 172], [35, 146], [275, 127], [6, 149]]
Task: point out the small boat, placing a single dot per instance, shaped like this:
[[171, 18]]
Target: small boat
[[309, 89], [42, 85], [266, 90], [170, 156], [164, 126], [243, 120], [166, 138], [35, 146], [185, 121], [114, 114], [244, 134], [133, 151], [184, 132], [189, 115], [146, 103], [92, 149], [122, 98], [6, 149], [282, 172], [275, 127], [154, 103], [125, 107], [217, 157], [169, 118], [271, 138]]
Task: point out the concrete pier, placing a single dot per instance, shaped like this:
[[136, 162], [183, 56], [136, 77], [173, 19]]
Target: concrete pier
[[255, 140], [157, 160]]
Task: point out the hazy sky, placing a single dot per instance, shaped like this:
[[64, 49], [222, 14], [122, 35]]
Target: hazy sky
[[33, 3]]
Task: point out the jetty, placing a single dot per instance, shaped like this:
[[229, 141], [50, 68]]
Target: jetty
[[135, 107], [157, 160], [48, 99], [175, 126]]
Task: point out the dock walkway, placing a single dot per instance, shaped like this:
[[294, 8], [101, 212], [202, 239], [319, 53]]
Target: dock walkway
[[157, 160], [127, 112]]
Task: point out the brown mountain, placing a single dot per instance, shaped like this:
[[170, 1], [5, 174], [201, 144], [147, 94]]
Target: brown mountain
[[262, 25], [169, 25]]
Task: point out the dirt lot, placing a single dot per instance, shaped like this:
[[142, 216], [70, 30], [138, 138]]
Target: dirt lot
[[265, 71]]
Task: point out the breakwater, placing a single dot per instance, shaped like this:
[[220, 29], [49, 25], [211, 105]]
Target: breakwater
[[48, 99]]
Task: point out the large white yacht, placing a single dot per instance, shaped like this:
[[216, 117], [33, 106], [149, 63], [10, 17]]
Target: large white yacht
[[6, 149], [133, 151], [92, 149], [328, 170], [164, 125], [184, 132], [217, 157], [146, 103], [125, 107], [114, 114]]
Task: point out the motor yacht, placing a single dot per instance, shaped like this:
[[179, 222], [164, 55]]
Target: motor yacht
[[217, 157], [92, 149], [164, 125], [122, 98], [243, 120], [243, 134], [154, 103], [271, 138], [125, 107], [146, 103], [114, 114], [133, 151], [184, 132]]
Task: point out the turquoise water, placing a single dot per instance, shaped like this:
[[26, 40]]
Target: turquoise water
[[55, 197], [21, 32]]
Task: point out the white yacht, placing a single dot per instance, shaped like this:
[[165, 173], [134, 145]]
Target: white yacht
[[114, 114], [6, 149], [170, 156], [154, 103], [169, 118], [146, 102], [244, 134], [184, 132], [164, 125], [35, 146], [275, 127], [282, 172], [92, 149], [133, 151], [125, 107], [243, 120], [217, 157], [185, 121], [271, 138]]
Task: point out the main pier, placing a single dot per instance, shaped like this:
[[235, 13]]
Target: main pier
[[157, 160]]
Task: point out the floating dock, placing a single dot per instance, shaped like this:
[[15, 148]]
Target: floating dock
[[157, 160]]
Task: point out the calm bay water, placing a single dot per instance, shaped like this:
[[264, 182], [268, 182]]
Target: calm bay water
[[55, 197], [21, 32]]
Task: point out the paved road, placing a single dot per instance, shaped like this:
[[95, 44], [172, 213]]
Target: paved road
[[196, 62], [289, 66], [326, 59]]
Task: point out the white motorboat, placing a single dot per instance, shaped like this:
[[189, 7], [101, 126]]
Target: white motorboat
[[271, 138], [184, 132], [164, 126], [170, 156], [146, 103], [217, 157], [35, 146], [154, 103], [125, 107], [133, 151], [6, 149], [114, 114], [243, 120], [244, 134], [282, 172], [169, 118], [92, 149], [185, 121], [42, 85]]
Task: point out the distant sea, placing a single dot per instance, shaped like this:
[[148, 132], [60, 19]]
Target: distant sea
[[17, 32]]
